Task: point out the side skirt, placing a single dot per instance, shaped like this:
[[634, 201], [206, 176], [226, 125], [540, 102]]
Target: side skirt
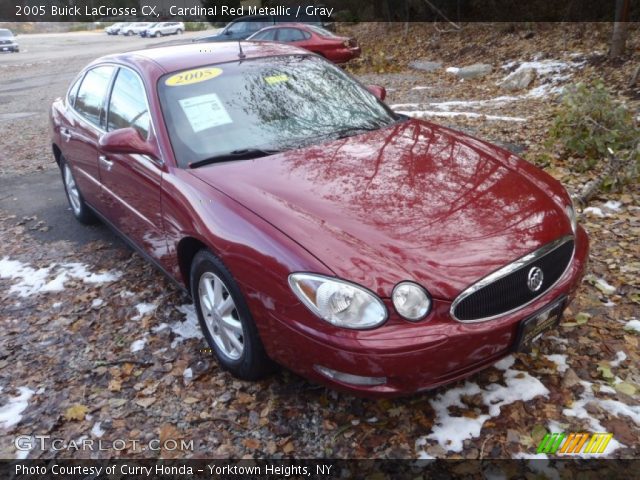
[[134, 246]]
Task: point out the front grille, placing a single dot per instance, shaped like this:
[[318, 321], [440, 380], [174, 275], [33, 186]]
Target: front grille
[[5, 42], [506, 289]]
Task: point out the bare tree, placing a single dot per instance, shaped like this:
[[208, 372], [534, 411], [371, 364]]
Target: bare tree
[[620, 29]]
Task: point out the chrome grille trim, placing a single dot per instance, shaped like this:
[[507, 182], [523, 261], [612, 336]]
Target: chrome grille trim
[[507, 270]]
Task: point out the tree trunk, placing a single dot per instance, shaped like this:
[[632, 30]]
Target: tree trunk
[[620, 29]]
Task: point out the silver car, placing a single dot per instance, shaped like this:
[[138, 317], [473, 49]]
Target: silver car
[[8, 41]]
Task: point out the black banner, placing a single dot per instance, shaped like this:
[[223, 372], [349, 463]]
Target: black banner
[[583, 469], [454, 11]]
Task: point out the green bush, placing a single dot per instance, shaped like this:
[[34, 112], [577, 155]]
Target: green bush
[[590, 122], [195, 26]]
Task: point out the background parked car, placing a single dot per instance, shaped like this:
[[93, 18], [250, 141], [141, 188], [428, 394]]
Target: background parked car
[[244, 27], [8, 41], [310, 37], [134, 28], [115, 28], [144, 31], [165, 28]]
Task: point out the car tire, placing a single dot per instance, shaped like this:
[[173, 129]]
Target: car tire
[[79, 208], [227, 324], [156, 35], [179, 32]]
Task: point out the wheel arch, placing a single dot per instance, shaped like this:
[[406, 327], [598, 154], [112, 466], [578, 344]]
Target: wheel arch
[[57, 153], [186, 251]]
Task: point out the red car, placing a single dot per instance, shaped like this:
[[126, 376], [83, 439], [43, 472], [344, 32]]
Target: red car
[[314, 227], [310, 37]]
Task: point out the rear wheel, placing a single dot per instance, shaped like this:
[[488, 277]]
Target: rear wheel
[[80, 209], [179, 32], [225, 319]]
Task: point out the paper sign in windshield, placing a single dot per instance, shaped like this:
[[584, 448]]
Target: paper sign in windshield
[[192, 76], [205, 111]]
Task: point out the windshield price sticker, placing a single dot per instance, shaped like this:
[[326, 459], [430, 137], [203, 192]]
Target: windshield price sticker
[[205, 111], [192, 76]]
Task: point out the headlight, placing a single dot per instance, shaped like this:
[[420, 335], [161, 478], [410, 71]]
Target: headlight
[[571, 214], [340, 303], [411, 301]]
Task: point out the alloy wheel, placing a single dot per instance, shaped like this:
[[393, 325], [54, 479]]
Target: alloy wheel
[[221, 315], [72, 190]]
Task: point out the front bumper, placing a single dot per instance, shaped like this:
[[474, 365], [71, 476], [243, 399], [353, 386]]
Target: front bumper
[[412, 357], [9, 47]]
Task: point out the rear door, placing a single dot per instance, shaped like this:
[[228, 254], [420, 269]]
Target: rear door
[[131, 183], [86, 125]]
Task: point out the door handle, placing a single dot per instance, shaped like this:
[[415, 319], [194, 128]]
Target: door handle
[[66, 134], [106, 163]]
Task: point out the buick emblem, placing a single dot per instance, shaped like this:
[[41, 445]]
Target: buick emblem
[[535, 279]]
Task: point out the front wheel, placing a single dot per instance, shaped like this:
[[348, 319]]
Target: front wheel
[[80, 209], [178, 32], [225, 319]]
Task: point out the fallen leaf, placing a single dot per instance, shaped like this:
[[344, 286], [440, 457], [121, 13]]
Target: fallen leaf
[[76, 412], [146, 402]]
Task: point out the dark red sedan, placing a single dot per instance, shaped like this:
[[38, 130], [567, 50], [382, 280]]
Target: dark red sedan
[[313, 38], [312, 226]]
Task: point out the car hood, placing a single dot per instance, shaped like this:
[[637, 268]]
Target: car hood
[[413, 201]]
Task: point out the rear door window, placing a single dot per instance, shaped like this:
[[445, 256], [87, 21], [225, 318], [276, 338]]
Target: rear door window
[[92, 94], [290, 35]]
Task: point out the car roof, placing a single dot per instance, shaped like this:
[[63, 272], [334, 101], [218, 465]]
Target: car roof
[[286, 25], [182, 57]]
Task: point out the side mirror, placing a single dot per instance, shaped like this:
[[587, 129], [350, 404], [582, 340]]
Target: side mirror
[[126, 140], [378, 91]]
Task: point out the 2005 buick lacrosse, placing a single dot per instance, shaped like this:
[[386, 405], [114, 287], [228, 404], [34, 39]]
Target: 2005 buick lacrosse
[[314, 227]]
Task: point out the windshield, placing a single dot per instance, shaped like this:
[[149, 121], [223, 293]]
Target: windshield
[[6, 34], [268, 104]]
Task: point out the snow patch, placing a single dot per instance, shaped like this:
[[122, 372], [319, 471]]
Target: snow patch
[[613, 205], [11, 412], [189, 328], [138, 344], [97, 302], [97, 430], [187, 374], [143, 309], [32, 281], [432, 113], [633, 325], [451, 431], [453, 70], [594, 211], [560, 361], [620, 357], [614, 407]]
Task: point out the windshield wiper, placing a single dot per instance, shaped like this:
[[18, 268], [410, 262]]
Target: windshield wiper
[[350, 131], [242, 154]]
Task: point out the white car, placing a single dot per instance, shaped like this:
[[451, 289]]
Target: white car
[[165, 28], [115, 28], [134, 28]]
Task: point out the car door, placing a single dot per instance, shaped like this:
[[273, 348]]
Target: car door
[[131, 183], [168, 28], [85, 126]]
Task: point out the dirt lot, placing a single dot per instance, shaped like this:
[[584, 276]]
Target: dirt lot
[[95, 344]]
